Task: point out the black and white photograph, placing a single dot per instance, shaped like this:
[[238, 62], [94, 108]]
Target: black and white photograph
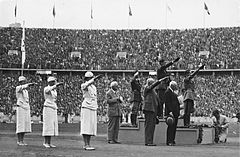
[[119, 78]]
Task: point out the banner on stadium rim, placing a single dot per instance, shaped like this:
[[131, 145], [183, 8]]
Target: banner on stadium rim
[[12, 52], [152, 73], [76, 54], [47, 72], [204, 53], [121, 55]]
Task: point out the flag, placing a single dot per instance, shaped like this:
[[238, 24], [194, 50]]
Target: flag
[[206, 8], [54, 12], [15, 10], [23, 45], [91, 12], [130, 11], [169, 9]]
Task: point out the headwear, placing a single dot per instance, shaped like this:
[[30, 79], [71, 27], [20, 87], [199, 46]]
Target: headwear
[[114, 83], [173, 85], [150, 80], [21, 78], [88, 74], [51, 78], [170, 120]]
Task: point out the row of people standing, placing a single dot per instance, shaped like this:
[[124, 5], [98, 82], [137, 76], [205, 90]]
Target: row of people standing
[[160, 92], [23, 118], [88, 111]]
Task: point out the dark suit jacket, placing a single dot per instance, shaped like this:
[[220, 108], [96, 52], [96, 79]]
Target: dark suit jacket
[[171, 103], [113, 103], [150, 98]]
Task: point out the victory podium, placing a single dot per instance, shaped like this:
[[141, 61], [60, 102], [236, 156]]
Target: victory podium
[[184, 136]]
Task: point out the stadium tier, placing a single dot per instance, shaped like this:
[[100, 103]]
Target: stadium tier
[[126, 50], [120, 49]]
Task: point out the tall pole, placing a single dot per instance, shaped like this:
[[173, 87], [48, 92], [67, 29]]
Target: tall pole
[[23, 48], [15, 11], [204, 19], [91, 18]]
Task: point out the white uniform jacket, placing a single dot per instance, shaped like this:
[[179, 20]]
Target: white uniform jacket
[[23, 118], [50, 121]]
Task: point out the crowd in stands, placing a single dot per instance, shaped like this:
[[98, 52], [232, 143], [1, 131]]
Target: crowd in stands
[[212, 92], [51, 48]]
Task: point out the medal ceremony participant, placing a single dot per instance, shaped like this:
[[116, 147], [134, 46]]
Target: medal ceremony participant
[[150, 109], [136, 98], [162, 87], [114, 101], [89, 109], [50, 120], [189, 95], [23, 118]]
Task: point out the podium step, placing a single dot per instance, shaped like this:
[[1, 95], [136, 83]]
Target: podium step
[[184, 136]]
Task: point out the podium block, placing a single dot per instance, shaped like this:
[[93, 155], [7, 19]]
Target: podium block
[[135, 135]]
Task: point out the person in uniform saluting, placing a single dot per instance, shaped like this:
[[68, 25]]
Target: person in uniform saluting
[[50, 121], [89, 109], [23, 123]]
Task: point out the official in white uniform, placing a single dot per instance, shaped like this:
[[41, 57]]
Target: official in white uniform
[[89, 110], [23, 123], [50, 121]]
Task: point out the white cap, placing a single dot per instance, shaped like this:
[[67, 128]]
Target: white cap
[[114, 83], [88, 74], [173, 83], [21, 78], [150, 80], [51, 78]]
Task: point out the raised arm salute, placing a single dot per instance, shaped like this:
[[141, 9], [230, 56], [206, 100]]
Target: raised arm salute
[[23, 123], [161, 73], [188, 94], [50, 121], [89, 109]]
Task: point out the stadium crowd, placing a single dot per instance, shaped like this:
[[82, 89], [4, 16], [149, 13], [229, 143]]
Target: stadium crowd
[[51, 48], [212, 92]]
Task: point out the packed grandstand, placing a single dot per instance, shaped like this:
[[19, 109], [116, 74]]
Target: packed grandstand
[[52, 49]]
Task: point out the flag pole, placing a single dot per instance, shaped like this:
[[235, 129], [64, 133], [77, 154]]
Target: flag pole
[[91, 18], [23, 47], [203, 18], [15, 11]]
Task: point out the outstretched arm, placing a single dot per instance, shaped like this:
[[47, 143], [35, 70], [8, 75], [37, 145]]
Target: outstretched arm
[[170, 63], [196, 71]]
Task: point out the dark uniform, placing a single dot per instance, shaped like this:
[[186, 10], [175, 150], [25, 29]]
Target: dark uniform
[[161, 73], [136, 100], [188, 96]]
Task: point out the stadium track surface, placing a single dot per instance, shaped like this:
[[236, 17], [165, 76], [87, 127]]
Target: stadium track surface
[[70, 145]]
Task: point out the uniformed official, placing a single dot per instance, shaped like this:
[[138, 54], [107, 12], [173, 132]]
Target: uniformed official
[[89, 109], [162, 87], [50, 121], [136, 98], [23, 118], [189, 95]]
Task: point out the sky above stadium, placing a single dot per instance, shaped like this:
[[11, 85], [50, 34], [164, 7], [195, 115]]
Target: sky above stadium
[[114, 14]]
